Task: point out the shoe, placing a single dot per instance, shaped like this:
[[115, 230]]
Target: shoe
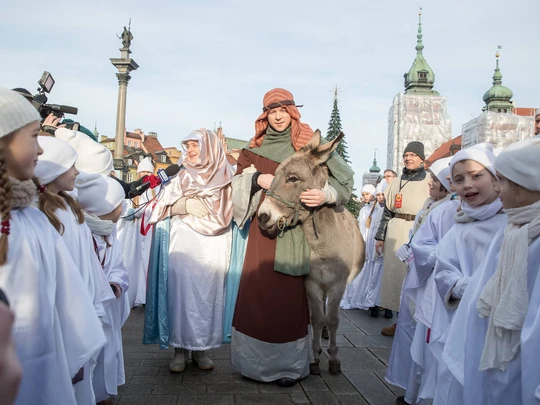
[[390, 331], [179, 361], [401, 401], [286, 382], [203, 361], [388, 314], [374, 312]]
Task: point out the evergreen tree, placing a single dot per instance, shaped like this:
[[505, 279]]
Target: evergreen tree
[[334, 129]]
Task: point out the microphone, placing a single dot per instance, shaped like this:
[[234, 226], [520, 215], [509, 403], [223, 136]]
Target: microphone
[[163, 177]]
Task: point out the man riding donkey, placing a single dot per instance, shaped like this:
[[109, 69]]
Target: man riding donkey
[[270, 336]]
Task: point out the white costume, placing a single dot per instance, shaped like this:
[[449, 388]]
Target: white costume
[[367, 286]]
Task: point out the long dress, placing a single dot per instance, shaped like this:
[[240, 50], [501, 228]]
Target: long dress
[[350, 289], [458, 256], [270, 337], [56, 329], [78, 239], [367, 285], [516, 384], [135, 237]]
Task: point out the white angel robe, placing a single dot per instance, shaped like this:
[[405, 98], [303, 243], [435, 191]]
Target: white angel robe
[[367, 285], [463, 350], [198, 267], [459, 254], [56, 330], [346, 301], [78, 239], [136, 246], [109, 371]]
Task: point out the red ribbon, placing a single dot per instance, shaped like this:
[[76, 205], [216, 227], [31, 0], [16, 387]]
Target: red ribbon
[[5, 227]]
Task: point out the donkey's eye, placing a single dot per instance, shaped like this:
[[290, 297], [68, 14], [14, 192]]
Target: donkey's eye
[[292, 179]]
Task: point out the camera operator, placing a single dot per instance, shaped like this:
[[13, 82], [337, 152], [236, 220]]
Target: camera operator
[[50, 123]]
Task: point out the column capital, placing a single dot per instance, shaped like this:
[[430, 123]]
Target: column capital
[[123, 78]]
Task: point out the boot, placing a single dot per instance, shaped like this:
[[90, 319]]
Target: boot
[[388, 314], [286, 382], [179, 361], [374, 312], [401, 401], [390, 331], [203, 361]]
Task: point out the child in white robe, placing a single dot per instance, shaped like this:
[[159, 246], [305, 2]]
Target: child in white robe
[[367, 286], [56, 171], [401, 369], [493, 344], [56, 328], [101, 215], [368, 197], [135, 236], [460, 252]]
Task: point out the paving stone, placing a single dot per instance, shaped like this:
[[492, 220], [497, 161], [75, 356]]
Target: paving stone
[[148, 399], [205, 400], [132, 362], [345, 325], [371, 388], [135, 349], [394, 388], [313, 383], [263, 399], [271, 388], [157, 379], [352, 400], [339, 384], [135, 389], [384, 341], [359, 359], [360, 339], [299, 398], [148, 356], [209, 378], [363, 321], [224, 352], [141, 370], [341, 341], [383, 354], [238, 387], [322, 398], [179, 389]]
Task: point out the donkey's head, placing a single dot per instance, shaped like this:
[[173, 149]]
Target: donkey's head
[[304, 170]]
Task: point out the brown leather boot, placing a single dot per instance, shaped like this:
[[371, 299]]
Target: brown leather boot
[[390, 331]]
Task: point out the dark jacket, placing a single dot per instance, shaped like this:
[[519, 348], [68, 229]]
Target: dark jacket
[[408, 175]]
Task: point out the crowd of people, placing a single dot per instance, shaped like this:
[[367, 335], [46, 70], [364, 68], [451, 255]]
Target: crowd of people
[[451, 250]]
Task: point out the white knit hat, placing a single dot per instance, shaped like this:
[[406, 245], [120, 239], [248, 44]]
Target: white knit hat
[[15, 112], [481, 153], [537, 112], [520, 163], [146, 165], [57, 158], [368, 188], [441, 170], [97, 194], [93, 156], [381, 187]]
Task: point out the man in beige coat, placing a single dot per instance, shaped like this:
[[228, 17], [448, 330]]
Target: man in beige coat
[[404, 198]]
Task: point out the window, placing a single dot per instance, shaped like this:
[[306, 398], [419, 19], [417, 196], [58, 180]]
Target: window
[[422, 75], [129, 177], [130, 162], [163, 158]]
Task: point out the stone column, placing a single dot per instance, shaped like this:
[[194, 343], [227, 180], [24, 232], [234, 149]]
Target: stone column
[[123, 79]]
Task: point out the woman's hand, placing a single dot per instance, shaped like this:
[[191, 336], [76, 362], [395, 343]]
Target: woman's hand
[[313, 198], [265, 180], [379, 247]]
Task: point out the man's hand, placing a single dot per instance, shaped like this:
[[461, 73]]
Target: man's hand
[[379, 247], [265, 180], [116, 289], [313, 198], [52, 121]]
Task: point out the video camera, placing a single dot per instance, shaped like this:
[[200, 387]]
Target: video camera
[[39, 101]]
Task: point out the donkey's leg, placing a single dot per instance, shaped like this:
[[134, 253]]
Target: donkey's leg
[[332, 320], [325, 328], [314, 294]]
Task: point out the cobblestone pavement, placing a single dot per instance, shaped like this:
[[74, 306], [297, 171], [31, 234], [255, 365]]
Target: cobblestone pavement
[[363, 352]]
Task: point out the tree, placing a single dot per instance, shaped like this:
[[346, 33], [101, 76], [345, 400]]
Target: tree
[[334, 129]]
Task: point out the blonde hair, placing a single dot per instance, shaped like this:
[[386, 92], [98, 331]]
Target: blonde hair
[[49, 202], [5, 200]]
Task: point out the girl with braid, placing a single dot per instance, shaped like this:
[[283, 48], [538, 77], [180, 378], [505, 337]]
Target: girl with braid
[[56, 329]]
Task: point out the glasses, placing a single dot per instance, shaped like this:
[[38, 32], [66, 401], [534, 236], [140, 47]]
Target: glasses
[[388, 176], [409, 155]]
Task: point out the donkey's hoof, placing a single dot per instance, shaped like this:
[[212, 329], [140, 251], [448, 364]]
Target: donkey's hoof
[[334, 367], [314, 369]]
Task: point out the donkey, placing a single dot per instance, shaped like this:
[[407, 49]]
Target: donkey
[[332, 233]]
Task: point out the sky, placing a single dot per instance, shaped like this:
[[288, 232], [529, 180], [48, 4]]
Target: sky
[[207, 61]]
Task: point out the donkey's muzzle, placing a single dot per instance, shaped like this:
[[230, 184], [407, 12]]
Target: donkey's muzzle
[[263, 218]]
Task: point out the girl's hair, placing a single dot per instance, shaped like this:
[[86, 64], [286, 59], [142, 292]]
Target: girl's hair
[[5, 200], [49, 202]]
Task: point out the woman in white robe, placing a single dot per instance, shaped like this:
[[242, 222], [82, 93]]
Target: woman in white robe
[[199, 204], [101, 215], [367, 286], [56, 329], [493, 342], [135, 236], [368, 196], [56, 171], [461, 251]]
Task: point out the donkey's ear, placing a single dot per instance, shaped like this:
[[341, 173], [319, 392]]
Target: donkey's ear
[[322, 153], [313, 142]]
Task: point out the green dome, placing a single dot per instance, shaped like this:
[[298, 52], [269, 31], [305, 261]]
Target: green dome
[[375, 168], [498, 97]]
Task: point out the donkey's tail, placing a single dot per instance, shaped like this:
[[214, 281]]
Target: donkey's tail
[[359, 249]]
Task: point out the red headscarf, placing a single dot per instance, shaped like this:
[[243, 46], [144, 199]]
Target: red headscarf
[[300, 133]]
